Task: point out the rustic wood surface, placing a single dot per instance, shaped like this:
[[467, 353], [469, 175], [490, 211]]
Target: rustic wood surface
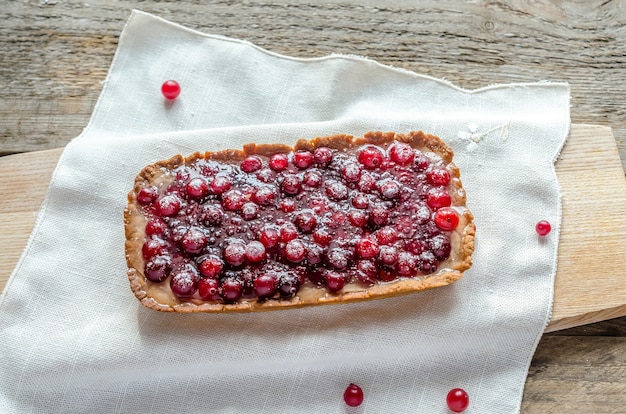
[[54, 56]]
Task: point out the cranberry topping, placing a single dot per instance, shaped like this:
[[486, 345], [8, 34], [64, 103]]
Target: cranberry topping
[[263, 227]]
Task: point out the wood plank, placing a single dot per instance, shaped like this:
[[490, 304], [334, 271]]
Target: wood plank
[[60, 51], [590, 282]]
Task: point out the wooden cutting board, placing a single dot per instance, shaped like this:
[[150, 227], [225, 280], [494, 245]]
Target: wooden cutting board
[[591, 277]]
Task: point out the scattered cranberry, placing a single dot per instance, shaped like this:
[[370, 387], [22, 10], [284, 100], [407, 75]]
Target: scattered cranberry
[[184, 283], [366, 248], [193, 241], [211, 267], [457, 400], [371, 157], [291, 184], [197, 187], [168, 205], [208, 289], [401, 153], [446, 219], [220, 185], [158, 268], [543, 228], [255, 252], [438, 176], [251, 164], [303, 159], [265, 286], [235, 253], [147, 195], [437, 198], [353, 395], [170, 89], [295, 251], [278, 162], [231, 290]]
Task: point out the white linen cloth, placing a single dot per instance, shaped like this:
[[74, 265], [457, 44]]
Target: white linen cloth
[[74, 338]]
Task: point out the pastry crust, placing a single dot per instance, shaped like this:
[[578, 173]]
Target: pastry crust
[[158, 296]]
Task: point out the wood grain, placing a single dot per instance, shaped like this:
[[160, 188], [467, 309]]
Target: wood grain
[[56, 54], [589, 172]]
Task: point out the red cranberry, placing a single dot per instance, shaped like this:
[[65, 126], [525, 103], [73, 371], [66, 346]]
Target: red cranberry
[[211, 267], [170, 89], [288, 232], [155, 226], [255, 251], [401, 153], [440, 246], [265, 175], [269, 236], [336, 190], [153, 247], [407, 264], [235, 253], [334, 281], [312, 178], [543, 228], [437, 198], [316, 276], [212, 214], [249, 211], [265, 286], [314, 254], [233, 200], [295, 251], [351, 172], [231, 290], [389, 189], [366, 271], [168, 205], [338, 258], [278, 162], [366, 248], [422, 162], [251, 164], [184, 283], [388, 255], [367, 183], [147, 195], [427, 262], [353, 395], [322, 237], [386, 275], [438, 176], [446, 219], [386, 235], [379, 215], [305, 221], [357, 218], [360, 201], [197, 187], [291, 184], [193, 241], [371, 157], [287, 206], [457, 400], [158, 268], [416, 246], [303, 159], [322, 156], [288, 285], [265, 195], [209, 289], [220, 185]]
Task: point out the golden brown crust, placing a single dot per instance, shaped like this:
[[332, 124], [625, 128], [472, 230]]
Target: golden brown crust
[[135, 235]]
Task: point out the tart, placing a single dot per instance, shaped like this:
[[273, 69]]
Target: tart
[[331, 220]]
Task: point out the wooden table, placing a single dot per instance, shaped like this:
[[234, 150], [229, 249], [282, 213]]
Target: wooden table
[[54, 56]]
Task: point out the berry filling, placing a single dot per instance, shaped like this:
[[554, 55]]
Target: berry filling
[[265, 226]]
